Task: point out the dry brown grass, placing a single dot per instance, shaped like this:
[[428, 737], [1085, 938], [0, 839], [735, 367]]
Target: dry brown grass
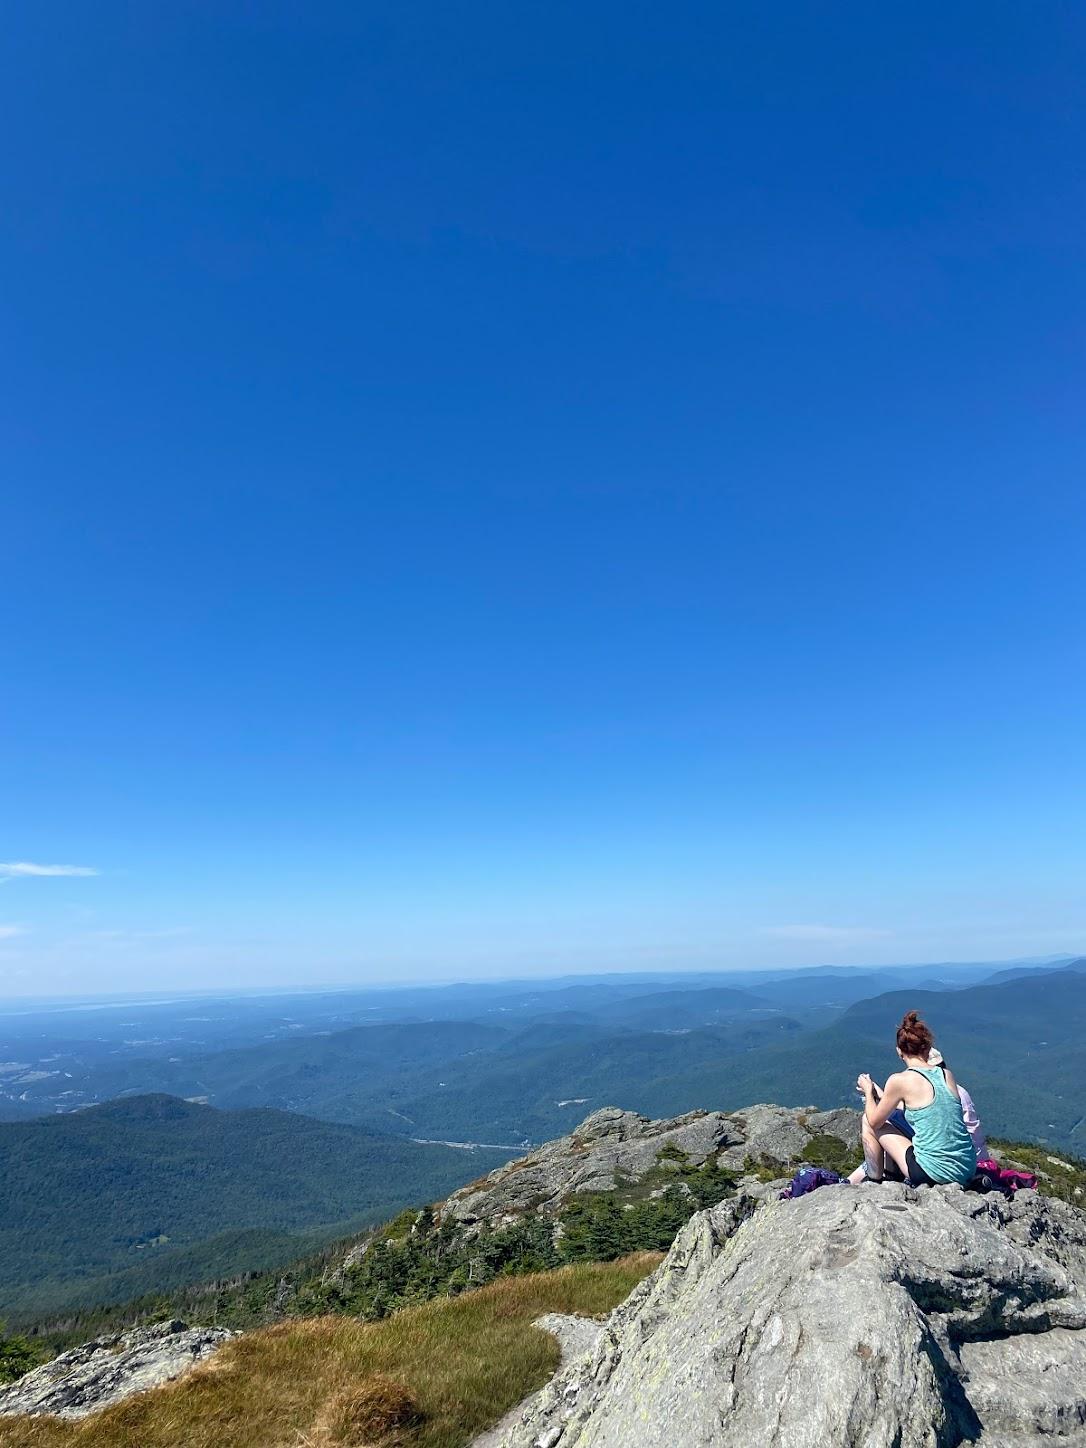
[[379, 1409], [427, 1377]]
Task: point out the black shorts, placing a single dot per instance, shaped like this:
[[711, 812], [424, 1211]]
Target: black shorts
[[918, 1177]]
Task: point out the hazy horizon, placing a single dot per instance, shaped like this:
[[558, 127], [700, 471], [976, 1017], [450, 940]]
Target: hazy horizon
[[168, 993]]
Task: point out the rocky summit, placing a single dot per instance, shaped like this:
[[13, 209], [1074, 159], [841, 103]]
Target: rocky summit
[[877, 1316], [614, 1148], [108, 1369]]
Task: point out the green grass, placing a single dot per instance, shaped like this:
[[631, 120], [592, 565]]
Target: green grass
[[428, 1377]]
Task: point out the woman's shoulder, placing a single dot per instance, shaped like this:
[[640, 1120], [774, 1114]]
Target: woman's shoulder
[[912, 1086], [951, 1080]]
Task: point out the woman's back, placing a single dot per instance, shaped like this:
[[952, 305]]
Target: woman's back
[[941, 1141]]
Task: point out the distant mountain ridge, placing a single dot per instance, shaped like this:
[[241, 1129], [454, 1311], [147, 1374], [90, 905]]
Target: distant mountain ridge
[[265, 1048], [516, 1078], [1022, 972]]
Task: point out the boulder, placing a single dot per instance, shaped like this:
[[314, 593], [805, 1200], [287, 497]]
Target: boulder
[[111, 1368], [865, 1317]]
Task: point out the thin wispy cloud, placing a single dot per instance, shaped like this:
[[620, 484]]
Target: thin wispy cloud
[[825, 934], [27, 870], [8, 932]]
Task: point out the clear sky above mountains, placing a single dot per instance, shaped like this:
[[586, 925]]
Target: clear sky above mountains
[[493, 489]]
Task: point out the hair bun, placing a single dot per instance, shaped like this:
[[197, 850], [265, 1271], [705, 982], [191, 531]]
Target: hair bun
[[913, 1036]]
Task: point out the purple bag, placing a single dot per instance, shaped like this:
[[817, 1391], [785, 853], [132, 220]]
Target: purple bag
[[809, 1179]]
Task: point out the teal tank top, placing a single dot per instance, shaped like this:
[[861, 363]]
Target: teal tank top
[[941, 1141]]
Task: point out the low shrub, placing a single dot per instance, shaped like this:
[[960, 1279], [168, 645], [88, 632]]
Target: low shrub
[[379, 1409]]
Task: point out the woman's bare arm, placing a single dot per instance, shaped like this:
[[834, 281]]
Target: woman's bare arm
[[876, 1111]]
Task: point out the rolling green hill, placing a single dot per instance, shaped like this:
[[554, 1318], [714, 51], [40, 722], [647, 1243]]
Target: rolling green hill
[[318, 1074], [684, 1009], [542, 1083], [310, 1074], [121, 1198]]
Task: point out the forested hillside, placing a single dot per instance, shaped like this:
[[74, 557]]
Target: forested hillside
[[151, 1191]]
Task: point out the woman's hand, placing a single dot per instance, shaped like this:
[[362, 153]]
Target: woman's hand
[[864, 1083]]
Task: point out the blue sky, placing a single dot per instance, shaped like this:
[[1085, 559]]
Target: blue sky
[[493, 490]]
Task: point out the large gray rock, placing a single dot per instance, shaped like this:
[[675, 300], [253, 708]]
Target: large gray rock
[[613, 1148], [111, 1368], [865, 1317]]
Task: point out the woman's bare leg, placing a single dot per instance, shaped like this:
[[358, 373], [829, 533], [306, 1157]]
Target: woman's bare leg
[[874, 1161], [895, 1145]]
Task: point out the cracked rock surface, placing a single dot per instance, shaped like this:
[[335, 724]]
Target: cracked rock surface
[[866, 1317], [111, 1368]]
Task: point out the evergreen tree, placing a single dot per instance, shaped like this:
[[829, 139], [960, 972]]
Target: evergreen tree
[[17, 1356]]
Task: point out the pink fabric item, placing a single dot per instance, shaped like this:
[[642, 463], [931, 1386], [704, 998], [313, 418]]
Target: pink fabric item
[[1008, 1179], [972, 1121]]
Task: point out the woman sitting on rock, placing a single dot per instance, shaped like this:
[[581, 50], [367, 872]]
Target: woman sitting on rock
[[941, 1149], [897, 1118]]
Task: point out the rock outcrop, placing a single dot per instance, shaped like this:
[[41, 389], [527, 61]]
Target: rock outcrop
[[612, 1148], [856, 1317], [111, 1368]]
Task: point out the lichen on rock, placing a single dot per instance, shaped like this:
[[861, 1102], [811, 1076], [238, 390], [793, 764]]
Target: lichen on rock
[[880, 1316]]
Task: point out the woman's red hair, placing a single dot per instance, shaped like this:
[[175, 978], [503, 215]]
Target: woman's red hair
[[913, 1036]]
